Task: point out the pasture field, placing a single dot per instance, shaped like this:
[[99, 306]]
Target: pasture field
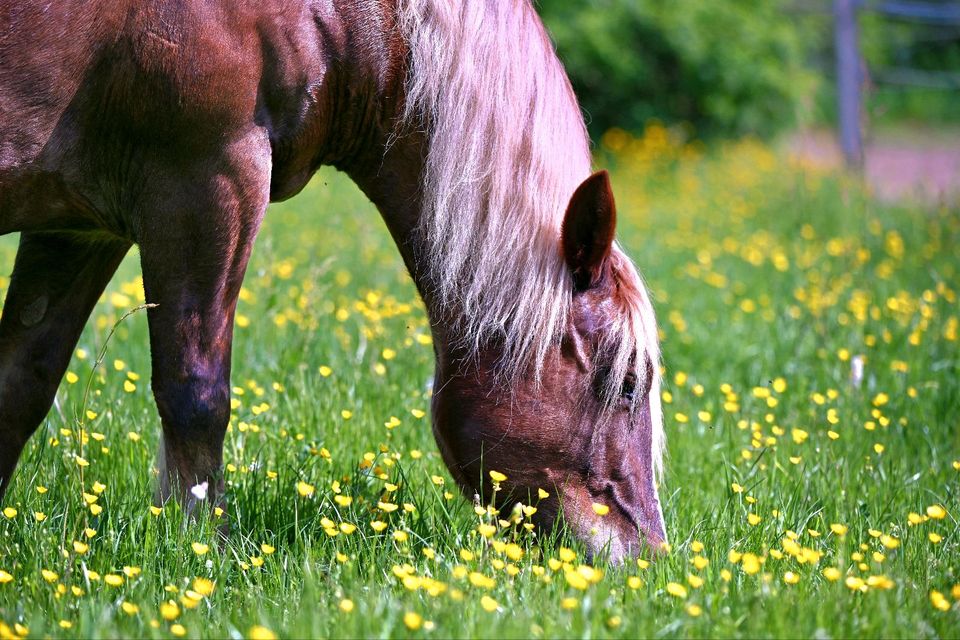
[[812, 405]]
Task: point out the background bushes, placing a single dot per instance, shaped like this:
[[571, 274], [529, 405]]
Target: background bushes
[[733, 67]]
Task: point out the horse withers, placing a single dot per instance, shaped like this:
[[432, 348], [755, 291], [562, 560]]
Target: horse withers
[[173, 124]]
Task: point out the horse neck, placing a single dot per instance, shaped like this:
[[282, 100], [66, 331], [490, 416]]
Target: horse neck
[[392, 180]]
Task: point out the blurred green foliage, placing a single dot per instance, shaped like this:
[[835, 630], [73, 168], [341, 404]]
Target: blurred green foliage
[[725, 67], [733, 67]]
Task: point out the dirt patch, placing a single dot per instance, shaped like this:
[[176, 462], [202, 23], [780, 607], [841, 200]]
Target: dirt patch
[[914, 165]]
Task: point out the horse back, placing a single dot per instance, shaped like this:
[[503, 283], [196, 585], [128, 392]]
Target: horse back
[[95, 93]]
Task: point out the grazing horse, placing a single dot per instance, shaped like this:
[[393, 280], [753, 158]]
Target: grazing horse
[[172, 124]]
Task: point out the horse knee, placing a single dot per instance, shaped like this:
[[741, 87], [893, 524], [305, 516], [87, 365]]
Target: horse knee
[[194, 411], [25, 402]]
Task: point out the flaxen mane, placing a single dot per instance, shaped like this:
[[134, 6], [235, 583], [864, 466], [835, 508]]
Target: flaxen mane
[[507, 149]]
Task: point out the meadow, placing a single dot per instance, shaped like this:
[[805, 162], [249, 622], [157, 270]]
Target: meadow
[[811, 400]]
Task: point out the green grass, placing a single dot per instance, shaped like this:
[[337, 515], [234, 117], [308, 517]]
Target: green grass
[[767, 279]]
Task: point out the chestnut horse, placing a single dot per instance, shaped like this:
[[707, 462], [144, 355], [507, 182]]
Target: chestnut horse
[[172, 124]]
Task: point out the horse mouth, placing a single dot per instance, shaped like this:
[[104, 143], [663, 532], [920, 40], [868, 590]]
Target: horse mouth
[[626, 531]]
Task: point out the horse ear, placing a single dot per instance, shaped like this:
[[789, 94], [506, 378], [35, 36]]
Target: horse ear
[[588, 230]]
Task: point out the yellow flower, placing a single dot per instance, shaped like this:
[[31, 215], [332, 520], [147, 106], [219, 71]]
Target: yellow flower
[[80, 547], [753, 519], [305, 490], [600, 509], [413, 620], [569, 603], [5, 577], [267, 549], [49, 576], [937, 512], [496, 476], [478, 579], [939, 601], [259, 632], [791, 578], [831, 573], [346, 605], [10, 512], [400, 536], [750, 564], [694, 610], [934, 537], [576, 580], [156, 510], [199, 548], [378, 525], [203, 586], [838, 529], [677, 590], [178, 630], [890, 542], [543, 495], [169, 610], [130, 608], [489, 604], [113, 580], [486, 530], [855, 584]]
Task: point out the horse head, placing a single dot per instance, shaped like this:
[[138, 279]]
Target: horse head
[[585, 428]]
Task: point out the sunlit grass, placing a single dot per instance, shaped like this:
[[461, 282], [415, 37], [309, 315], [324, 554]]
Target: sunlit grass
[[811, 401]]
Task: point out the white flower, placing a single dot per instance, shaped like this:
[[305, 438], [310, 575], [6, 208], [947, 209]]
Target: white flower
[[200, 491], [856, 370]]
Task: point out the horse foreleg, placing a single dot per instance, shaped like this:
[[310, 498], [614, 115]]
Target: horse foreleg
[[194, 250], [57, 278]]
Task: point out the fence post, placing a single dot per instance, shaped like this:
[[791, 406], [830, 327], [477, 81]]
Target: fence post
[[848, 80]]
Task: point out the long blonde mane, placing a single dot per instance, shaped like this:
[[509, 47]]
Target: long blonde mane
[[507, 147]]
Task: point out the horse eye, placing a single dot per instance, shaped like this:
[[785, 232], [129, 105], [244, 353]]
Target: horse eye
[[629, 387]]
